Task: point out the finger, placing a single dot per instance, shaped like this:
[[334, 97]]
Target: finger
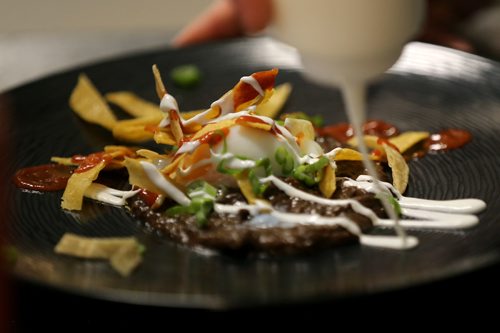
[[448, 39], [254, 15], [221, 20]]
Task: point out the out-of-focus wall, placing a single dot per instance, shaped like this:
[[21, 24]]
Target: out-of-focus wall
[[88, 15]]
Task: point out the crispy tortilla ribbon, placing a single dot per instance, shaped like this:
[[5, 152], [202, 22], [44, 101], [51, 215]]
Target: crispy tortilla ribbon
[[88, 170], [243, 95]]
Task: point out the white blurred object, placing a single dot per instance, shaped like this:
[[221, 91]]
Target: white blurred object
[[346, 40]]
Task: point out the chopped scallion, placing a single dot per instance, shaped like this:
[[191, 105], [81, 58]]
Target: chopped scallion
[[186, 76]]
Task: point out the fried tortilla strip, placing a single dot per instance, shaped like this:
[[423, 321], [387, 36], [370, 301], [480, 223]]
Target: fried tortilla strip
[[407, 140], [133, 104], [63, 161], [246, 187], [244, 94], [160, 87], [347, 154], [213, 127], [190, 114], [141, 173], [371, 141], [248, 123], [176, 127], [89, 104], [300, 128], [133, 130], [138, 177], [118, 154], [303, 130], [164, 136], [403, 142], [117, 151], [78, 183], [272, 107], [151, 155], [400, 170], [124, 253], [126, 259], [328, 183]]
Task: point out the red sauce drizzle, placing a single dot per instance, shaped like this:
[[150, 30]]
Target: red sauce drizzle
[[342, 132], [381, 141], [90, 161], [380, 128], [244, 92], [212, 138], [47, 177], [447, 139], [148, 197]]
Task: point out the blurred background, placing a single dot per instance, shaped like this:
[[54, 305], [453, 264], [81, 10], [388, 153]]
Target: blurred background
[[97, 15], [40, 37]]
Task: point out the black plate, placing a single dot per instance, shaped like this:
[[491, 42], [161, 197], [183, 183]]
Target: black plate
[[430, 88]]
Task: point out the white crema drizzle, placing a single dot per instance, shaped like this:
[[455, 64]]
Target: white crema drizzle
[[108, 195], [225, 104]]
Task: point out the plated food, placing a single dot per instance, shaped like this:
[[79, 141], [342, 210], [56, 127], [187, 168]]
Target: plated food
[[234, 178]]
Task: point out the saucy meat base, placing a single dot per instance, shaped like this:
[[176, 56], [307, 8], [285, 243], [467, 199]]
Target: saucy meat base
[[235, 234]]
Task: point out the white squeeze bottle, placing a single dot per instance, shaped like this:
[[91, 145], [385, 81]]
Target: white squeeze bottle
[[347, 43]]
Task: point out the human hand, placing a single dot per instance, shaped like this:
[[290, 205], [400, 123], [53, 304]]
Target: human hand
[[225, 19], [232, 18]]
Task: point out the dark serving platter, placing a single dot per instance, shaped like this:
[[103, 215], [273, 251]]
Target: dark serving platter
[[430, 88]]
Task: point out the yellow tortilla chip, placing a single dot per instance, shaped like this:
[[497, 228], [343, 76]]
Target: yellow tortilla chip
[[72, 198], [214, 127], [328, 183], [403, 142], [138, 177], [63, 160], [126, 259], [370, 142], [133, 130], [150, 155], [347, 154], [123, 252], [407, 140], [164, 136], [133, 104], [400, 170], [246, 187], [253, 124], [176, 128], [255, 101], [172, 167], [300, 128], [190, 114], [272, 107], [160, 87], [89, 104], [117, 151], [195, 127]]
